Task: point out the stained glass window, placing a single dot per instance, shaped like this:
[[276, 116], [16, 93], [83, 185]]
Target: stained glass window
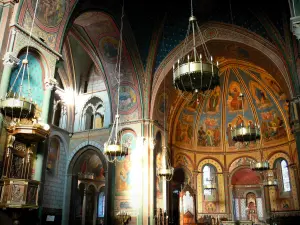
[[101, 204], [285, 176]]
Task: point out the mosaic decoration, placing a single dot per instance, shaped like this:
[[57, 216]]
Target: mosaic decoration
[[108, 47], [36, 80], [50, 12]]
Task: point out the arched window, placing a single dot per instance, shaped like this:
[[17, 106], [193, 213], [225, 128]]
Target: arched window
[[101, 204], [285, 176], [207, 178], [89, 119], [93, 114]]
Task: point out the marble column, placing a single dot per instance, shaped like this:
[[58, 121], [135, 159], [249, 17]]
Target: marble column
[[83, 206]]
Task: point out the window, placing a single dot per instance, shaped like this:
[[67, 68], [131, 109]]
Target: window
[[101, 205], [285, 176], [207, 179], [92, 114]]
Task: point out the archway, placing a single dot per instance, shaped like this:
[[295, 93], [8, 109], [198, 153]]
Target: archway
[[88, 194], [247, 194]]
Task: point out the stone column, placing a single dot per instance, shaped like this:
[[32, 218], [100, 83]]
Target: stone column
[[83, 206], [95, 207], [9, 62], [49, 86]]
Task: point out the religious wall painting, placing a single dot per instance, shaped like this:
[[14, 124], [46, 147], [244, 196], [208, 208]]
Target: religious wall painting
[[209, 133], [124, 171], [50, 12], [260, 96], [212, 105], [53, 156], [234, 101], [127, 99], [162, 106], [49, 38], [194, 103], [272, 125], [182, 160], [273, 85], [91, 163], [184, 128], [108, 47], [210, 207]]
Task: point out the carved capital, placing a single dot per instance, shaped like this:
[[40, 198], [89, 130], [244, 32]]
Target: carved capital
[[50, 83], [10, 60]]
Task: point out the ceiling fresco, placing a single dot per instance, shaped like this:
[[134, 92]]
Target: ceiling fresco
[[104, 36], [204, 122]]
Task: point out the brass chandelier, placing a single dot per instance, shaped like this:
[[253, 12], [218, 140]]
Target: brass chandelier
[[194, 73], [113, 148], [245, 133]]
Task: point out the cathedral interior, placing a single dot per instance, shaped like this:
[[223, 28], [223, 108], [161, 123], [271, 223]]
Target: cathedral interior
[[149, 112]]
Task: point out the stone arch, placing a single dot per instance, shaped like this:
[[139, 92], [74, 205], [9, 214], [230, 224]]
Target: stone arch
[[220, 183], [245, 159], [223, 32]]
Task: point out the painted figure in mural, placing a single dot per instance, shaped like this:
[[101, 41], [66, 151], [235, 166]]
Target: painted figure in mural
[[125, 176], [229, 136], [217, 136], [51, 12], [201, 136], [209, 138], [274, 86], [214, 100], [236, 101], [239, 122]]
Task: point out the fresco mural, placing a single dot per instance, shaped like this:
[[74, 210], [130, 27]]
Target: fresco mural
[[53, 153], [50, 12], [127, 99], [163, 103], [234, 102], [243, 161], [184, 128], [272, 125], [213, 103], [108, 47], [209, 133], [123, 169], [35, 89], [273, 85], [259, 94], [90, 162]]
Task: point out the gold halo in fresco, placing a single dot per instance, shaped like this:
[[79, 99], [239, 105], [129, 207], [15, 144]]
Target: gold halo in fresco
[[50, 12]]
